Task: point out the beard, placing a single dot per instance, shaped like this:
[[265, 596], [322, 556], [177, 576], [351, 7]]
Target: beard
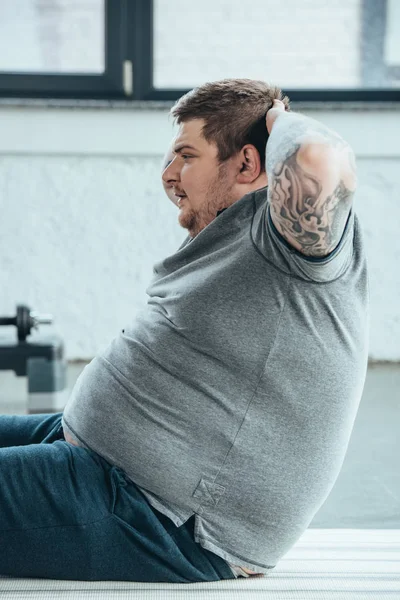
[[218, 196]]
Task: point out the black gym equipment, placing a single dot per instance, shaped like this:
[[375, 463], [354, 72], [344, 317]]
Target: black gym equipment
[[40, 360]]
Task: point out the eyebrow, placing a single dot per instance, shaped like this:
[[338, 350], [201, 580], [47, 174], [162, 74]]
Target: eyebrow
[[179, 148]]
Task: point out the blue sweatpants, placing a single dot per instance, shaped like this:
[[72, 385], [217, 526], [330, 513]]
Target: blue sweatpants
[[66, 513]]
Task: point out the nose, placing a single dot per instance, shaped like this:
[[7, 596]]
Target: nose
[[170, 175]]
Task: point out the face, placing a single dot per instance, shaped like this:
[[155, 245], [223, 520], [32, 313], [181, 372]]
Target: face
[[194, 173]]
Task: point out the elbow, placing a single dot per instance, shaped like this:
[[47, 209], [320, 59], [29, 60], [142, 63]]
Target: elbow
[[336, 163]]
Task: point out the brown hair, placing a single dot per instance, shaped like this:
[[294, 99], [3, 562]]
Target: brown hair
[[234, 112]]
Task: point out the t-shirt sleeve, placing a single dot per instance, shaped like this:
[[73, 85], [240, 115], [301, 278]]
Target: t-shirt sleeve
[[286, 258], [323, 269]]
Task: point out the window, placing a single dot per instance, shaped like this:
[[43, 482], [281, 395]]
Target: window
[[158, 49], [62, 48]]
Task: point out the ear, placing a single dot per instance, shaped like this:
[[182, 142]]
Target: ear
[[249, 164]]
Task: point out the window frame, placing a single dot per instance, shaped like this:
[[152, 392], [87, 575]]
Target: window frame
[[374, 17], [129, 34], [79, 86]]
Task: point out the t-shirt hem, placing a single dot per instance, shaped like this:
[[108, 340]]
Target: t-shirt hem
[[231, 559], [67, 429], [167, 512]]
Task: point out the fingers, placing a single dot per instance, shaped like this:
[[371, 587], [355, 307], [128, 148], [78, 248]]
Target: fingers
[[273, 113]]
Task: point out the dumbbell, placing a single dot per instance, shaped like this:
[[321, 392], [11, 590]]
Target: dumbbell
[[26, 320]]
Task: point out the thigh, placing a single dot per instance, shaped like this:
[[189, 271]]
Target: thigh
[[66, 513], [52, 496], [22, 430]]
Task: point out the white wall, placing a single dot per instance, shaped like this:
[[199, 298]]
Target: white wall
[[84, 216]]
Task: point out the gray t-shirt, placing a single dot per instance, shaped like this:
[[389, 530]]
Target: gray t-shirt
[[232, 395]]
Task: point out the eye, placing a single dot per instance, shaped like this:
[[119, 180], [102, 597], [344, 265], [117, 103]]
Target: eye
[[186, 156]]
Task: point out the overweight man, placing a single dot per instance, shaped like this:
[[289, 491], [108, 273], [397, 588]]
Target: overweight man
[[201, 443]]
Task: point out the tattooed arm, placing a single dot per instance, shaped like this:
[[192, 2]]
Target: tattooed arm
[[311, 182]]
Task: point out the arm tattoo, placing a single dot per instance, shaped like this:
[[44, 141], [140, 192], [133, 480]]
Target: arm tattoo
[[315, 221], [305, 214]]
